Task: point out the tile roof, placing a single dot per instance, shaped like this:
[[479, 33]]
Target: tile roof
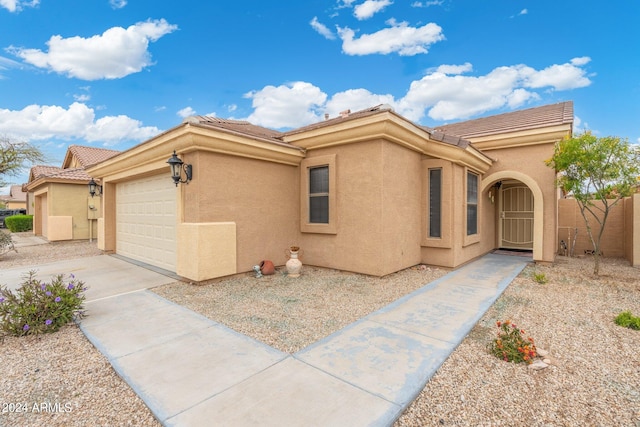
[[531, 118], [89, 156], [344, 116], [17, 194], [40, 171], [77, 174], [235, 126]]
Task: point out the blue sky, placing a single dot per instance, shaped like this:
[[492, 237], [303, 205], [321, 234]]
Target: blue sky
[[115, 73]]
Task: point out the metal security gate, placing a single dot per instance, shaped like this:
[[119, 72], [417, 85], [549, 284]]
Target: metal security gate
[[516, 218]]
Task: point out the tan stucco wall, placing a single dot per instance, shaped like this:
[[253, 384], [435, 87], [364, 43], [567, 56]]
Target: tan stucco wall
[[613, 240], [58, 201], [260, 197], [207, 250], [60, 228], [71, 200], [378, 210], [16, 205], [457, 247], [524, 164]]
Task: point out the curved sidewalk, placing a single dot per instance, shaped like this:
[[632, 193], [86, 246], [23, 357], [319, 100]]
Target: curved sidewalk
[[192, 371]]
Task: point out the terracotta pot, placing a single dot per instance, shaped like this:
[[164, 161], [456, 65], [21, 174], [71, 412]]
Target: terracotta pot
[[267, 268]]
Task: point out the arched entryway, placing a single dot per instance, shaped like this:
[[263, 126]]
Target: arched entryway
[[521, 211]]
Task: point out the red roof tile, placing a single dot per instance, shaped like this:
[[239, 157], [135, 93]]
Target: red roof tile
[[89, 156]]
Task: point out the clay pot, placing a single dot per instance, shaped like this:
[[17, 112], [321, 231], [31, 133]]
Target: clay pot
[[267, 268], [294, 265]]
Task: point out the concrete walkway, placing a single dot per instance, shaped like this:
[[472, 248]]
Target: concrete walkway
[[191, 371]]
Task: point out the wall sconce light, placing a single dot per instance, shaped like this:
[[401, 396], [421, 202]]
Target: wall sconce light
[[493, 190], [177, 166], [94, 188]]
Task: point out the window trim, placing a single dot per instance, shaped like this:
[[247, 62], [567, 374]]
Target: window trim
[[305, 166], [446, 203], [430, 205], [470, 239]]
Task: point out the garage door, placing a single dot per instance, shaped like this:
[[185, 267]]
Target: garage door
[[146, 221]]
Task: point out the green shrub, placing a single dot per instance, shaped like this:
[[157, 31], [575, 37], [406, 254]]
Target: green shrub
[[37, 307], [628, 320], [17, 223], [540, 278], [511, 346]]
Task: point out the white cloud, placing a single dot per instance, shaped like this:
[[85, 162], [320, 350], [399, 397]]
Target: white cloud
[[118, 4], [427, 3], [186, 112], [345, 3], [116, 53], [560, 77], [443, 94], [580, 61], [6, 63], [354, 100], [455, 69], [399, 37], [231, 108], [523, 12], [291, 105], [83, 97], [40, 122], [450, 96], [322, 29], [18, 5], [369, 8]]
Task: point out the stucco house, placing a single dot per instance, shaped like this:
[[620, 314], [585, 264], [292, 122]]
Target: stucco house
[[16, 199], [58, 197], [368, 192]]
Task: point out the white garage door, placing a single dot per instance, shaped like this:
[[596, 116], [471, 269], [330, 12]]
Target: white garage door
[[146, 221]]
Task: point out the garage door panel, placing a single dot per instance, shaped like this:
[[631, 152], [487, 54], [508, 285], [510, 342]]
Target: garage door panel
[[146, 221]]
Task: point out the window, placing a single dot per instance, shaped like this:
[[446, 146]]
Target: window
[[319, 195], [472, 204], [435, 203], [318, 201]]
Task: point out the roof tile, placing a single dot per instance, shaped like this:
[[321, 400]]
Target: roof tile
[[89, 156], [546, 115]]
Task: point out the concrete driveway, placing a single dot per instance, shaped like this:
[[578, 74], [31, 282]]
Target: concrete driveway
[[104, 275]]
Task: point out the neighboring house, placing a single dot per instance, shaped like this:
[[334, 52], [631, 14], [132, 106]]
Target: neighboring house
[[59, 197], [368, 192], [16, 199]]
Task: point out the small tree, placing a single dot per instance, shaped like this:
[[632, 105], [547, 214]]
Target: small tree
[[14, 155], [591, 168]]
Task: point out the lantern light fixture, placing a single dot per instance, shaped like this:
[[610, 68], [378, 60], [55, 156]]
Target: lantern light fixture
[[177, 166], [94, 188]]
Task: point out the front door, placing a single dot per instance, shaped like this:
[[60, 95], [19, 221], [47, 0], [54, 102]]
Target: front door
[[516, 218]]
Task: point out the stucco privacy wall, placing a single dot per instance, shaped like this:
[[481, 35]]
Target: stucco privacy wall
[[618, 237]]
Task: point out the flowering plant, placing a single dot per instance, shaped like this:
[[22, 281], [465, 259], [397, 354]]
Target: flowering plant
[[511, 346], [37, 307]]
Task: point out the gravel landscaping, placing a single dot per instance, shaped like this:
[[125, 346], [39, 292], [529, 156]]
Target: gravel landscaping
[[593, 378]]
